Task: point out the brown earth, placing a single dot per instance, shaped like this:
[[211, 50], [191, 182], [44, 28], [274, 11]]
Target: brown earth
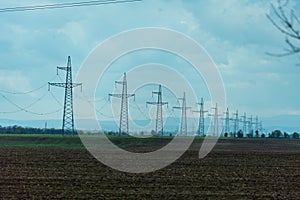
[[235, 169]]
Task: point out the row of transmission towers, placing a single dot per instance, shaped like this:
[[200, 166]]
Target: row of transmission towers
[[68, 117], [216, 116]]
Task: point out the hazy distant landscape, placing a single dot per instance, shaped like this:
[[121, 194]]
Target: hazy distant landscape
[[285, 123]]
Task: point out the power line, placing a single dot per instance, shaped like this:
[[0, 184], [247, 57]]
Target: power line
[[27, 92], [64, 5], [25, 108], [143, 113]]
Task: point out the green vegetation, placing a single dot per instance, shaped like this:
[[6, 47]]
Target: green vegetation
[[34, 140]]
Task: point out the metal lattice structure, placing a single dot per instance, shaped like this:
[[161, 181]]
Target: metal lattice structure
[[159, 127], [250, 126], [184, 108], [256, 124], [244, 121], [235, 123], [215, 115], [227, 119], [68, 118], [123, 126], [200, 130]]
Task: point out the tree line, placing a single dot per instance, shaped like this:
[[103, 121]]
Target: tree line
[[28, 130]]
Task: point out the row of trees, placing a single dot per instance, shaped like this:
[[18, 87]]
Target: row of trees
[[27, 130], [273, 134]]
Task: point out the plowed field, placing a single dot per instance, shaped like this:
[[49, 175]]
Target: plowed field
[[235, 169]]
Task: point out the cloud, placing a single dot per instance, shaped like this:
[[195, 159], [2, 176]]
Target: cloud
[[14, 81], [74, 31]]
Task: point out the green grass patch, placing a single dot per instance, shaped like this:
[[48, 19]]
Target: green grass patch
[[74, 141], [35, 140]]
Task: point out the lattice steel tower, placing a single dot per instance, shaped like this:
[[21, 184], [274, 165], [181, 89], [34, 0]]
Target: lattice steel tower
[[68, 118], [227, 119], [216, 121], [236, 122], [183, 107], [256, 123], [244, 121], [250, 126], [200, 130], [123, 126], [159, 128]]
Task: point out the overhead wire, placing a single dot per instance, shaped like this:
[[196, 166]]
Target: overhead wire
[[64, 5], [27, 92], [143, 114], [28, 111], [55, 98], [26, 107]]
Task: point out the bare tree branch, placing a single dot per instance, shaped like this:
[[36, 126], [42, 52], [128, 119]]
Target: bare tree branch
[[288, 24]]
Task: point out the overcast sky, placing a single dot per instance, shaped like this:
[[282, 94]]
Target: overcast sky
[[236, 35]]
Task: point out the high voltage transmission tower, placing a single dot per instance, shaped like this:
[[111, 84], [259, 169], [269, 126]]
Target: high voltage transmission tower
[[215, 115], [227, 119], [260, 127], [235, 122], [159, 128], [123, 126], [68, 118], [256, 124], [244, 121], [250, 126], [200, 130], [183, 107]]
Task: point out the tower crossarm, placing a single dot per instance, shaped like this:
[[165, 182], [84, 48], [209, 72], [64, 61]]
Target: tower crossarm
[[180, 107], [62, 68], [70, 85], [122, 95], [157, 103], [56, 84], [119, 82]]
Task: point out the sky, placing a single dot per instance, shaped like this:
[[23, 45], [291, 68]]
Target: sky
[[236, 35]]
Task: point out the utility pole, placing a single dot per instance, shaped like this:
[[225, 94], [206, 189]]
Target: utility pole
[[215, 115], [159, 128], [183, 107], [200, 131], [123, 126], [236, 123], [68, 118]]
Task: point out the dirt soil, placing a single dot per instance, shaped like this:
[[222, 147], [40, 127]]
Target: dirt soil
[[235, 169]]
